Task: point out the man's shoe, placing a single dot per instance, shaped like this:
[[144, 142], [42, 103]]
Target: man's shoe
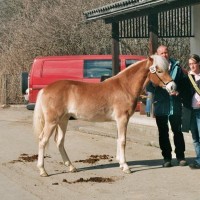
[[194, 165], [182, 163], [167, 163]]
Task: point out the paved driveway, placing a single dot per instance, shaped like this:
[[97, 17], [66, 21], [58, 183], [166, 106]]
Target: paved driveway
[[99, 176]]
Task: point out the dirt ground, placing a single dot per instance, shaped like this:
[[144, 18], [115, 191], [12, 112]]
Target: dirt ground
[[99, 176]]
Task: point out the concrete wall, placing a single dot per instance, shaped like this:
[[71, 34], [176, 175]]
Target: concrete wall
[[195, 41]]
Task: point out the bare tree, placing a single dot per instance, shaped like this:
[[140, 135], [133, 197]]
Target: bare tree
[[31, 28]]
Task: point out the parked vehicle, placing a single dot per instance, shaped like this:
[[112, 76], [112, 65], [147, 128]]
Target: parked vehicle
[[87, 68]]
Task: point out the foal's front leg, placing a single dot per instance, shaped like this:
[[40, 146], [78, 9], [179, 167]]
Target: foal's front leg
[[121, 144]]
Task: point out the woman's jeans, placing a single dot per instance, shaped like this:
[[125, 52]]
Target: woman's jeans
[[163, 129], [195, 130]]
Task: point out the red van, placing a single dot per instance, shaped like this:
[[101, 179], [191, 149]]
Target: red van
[[87, 68]]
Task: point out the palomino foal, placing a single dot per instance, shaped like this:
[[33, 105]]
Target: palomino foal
[[114, 99]]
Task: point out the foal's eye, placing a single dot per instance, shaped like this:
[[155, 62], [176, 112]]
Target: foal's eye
[[159, 71]]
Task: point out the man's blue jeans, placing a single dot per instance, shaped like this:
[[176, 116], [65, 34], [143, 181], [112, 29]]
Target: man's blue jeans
[[195, 130]]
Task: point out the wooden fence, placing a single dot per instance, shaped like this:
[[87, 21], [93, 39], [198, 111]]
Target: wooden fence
[[4, 89]]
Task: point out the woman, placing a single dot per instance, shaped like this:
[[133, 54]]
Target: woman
[[194, 77]]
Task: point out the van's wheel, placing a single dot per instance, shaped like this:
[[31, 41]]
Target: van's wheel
[[24, 82]]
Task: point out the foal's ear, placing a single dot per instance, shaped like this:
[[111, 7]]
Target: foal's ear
[[150, 58]]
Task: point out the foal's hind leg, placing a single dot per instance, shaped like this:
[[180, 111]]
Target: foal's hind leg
[[43, 140], [60, 144], [122, 123]]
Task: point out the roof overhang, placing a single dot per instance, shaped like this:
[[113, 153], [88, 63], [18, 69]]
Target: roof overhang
[[133, 8]]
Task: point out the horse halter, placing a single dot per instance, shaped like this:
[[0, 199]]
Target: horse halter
[[153, 71]]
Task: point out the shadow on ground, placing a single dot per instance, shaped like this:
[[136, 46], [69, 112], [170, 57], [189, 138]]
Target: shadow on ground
[[136, 166]]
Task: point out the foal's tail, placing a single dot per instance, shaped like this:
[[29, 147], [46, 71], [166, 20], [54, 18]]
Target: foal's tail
[[38, 117]]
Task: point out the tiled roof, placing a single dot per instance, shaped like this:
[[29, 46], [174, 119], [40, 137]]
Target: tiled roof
[[121, 7], [131, 6]]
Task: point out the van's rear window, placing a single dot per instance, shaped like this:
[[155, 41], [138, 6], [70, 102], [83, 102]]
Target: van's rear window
[[97, 68]]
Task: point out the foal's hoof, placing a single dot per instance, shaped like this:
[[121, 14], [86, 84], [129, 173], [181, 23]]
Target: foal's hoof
[[127, 171], [44, 174], [121, 167], [73, 170]]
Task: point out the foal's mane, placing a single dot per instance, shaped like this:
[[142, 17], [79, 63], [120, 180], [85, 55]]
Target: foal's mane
[[131, 67], [134, 65], [157, 61]]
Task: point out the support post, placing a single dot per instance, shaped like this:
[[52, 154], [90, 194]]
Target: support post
[[115, 48], [153, 33]]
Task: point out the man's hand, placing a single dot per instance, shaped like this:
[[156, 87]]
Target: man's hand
[[175, 93]]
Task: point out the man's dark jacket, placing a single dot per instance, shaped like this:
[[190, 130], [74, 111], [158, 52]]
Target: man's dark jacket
[[163, 103]]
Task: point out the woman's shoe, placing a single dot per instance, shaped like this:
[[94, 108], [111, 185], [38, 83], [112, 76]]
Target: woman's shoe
[[194, 165]]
